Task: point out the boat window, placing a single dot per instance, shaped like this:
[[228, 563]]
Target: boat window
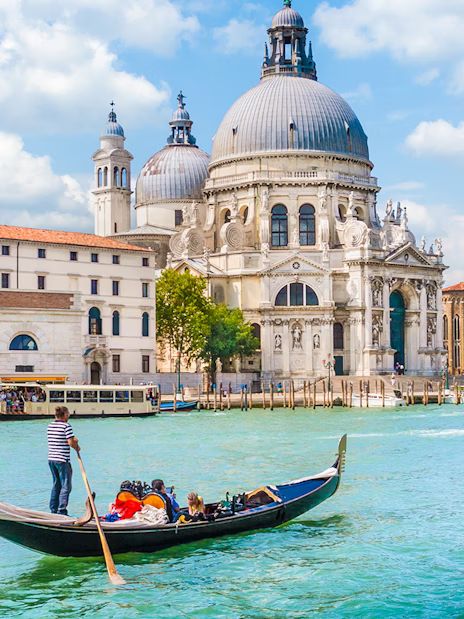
[[90, 396], [122, 396], [136, 396], [106, 396], [56, 396], [73, 396]]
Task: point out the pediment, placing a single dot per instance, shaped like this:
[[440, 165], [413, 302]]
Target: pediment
[[408, 255], [197, 266], [295, 264]]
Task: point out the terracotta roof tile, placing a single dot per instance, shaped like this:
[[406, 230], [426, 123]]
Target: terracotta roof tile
[[455, 288], [59, 237]]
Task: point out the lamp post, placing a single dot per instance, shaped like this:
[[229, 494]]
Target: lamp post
[[328, 365]]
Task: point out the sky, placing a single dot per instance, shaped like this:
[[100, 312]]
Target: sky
[[399, 64]]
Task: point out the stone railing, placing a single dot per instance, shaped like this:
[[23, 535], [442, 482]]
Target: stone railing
[[98, 341], [270, 176]]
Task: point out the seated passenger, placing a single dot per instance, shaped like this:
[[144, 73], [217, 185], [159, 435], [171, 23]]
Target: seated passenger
[[196, 505], [159, 487]]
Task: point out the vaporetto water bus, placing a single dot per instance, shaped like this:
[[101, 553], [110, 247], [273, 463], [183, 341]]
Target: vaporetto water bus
[[36, 401]]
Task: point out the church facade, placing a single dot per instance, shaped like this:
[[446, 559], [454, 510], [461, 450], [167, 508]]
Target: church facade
[[283, 221]]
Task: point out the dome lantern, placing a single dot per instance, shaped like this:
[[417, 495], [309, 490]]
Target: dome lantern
[[181, 125], [287, 37]]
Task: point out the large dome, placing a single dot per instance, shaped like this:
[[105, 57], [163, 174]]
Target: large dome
[[287, 17], [285, 113], [177, 172]]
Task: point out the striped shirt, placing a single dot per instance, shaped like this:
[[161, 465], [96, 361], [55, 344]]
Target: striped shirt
[[58, 434]]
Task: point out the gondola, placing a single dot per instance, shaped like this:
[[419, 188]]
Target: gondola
[[266, 507]]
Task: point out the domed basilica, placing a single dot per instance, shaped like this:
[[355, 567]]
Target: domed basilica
[[283, 222]]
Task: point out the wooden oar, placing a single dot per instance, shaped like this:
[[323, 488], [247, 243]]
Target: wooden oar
[[113, 574]]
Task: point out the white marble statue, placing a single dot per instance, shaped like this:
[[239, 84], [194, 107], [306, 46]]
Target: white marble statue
[[422, 244], [389, 209], [278, 342], [297, 334]]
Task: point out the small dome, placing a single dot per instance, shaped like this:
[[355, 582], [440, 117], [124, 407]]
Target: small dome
[[180, 114], [286, 114], [177, 172], [288, 17], [112, 126]]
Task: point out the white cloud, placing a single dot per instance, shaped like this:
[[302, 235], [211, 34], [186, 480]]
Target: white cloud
[[31, 193], [239, 36], [427, 77], [361, 94], [58, 70], [437, 137], [416, 30]]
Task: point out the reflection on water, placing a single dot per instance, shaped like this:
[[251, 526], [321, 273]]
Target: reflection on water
[[385, 546]]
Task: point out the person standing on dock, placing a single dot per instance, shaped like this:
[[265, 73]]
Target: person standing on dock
[[60, 440]]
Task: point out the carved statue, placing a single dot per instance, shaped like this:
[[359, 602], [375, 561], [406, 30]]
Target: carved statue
[[278, 342], [389, 209], [297, 334], [265, 200], [377, 328], [431, 250], [351, 207], [317, 341], [265, 250], [296, 236], [431, 330], [422, 244], [439, 246], [325, 252], [399, 212], [234, 206], [431, 298], [377, 293]]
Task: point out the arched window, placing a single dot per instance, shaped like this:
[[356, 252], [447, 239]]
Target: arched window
[[227, 216], [23, 342], [342, 212], [95, 322], [116, 176], [338, 336], [279, 227], [257, 331], [445, 328], [307, 225], [100, 177], [296, 295], [116, 323], [145, 325], [105, 177], [124, 177], [245, 215], [456, 343]]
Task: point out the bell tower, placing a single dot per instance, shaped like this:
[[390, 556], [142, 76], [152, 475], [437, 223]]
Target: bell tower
[[112, 181]]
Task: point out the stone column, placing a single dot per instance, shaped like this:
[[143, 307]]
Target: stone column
[[267, 341], [423, 317], [353, 345], [440, 335], [286, 347], [386, 314], [309, 351], [368, 317]]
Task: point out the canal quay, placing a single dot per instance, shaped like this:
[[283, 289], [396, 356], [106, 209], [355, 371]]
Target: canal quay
[[389, 543]]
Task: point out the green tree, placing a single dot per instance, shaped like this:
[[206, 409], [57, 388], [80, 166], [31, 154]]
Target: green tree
[[229, 335], [182, 310]]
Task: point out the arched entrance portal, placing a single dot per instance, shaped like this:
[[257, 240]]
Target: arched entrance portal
[[397, 324], [95, 373]]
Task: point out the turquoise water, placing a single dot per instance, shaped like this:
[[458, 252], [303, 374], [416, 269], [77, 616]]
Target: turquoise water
[[388, 544]]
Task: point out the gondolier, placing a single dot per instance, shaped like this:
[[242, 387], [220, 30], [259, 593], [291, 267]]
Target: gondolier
[[60, 440]]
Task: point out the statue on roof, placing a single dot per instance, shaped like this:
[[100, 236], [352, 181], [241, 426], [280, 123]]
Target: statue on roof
[[181, 99], [288, 3]]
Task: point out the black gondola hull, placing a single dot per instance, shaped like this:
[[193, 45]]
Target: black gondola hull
[[84, 541]]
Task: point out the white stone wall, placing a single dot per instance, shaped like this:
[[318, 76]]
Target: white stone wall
[[65, 334]]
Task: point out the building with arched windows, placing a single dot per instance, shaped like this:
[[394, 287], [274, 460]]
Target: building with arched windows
[[304, 250], [75, 305], [283, 221], [453, 327]]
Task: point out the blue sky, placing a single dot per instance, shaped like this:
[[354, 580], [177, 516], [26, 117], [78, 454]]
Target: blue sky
[[400, 65]]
